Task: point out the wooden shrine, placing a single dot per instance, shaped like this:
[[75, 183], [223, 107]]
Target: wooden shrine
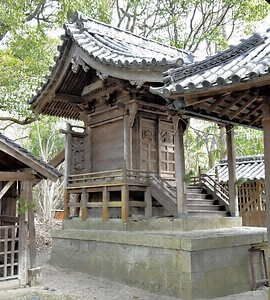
[[19, 171], [125, 166], [127, 159]]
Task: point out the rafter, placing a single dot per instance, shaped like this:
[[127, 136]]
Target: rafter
[[233, 102], [245, 105], [217, 103], [252, 109]]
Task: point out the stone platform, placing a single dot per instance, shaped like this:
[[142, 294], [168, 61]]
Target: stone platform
[[165, 256]]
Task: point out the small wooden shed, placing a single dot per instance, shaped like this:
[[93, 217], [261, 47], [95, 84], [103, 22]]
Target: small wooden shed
[[250, 176], [19, 171]]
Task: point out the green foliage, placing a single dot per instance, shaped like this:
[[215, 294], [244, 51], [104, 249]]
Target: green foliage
[[240, 181], [23, 206], [248, 141]]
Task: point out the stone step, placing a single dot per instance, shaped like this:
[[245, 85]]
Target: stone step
[[204, 207], [207, 214]]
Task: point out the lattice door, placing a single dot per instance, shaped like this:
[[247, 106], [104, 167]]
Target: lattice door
[[9, 252]]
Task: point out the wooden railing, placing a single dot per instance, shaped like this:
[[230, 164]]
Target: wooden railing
[[163, 184], [107, 178], [212, 186]]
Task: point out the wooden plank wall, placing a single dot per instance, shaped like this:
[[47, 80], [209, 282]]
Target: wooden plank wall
[[107, 146]]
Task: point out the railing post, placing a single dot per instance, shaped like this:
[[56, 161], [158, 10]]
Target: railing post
[[84, 205], [66, 207], [147, 173], [124, 195], [200, 175], [105, 209]]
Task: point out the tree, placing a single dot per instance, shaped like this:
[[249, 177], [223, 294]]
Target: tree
[[27, 47], [201, 25], [46, 142]]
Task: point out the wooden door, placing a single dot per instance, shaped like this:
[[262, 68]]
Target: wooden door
[[166, 150], [148, 145]]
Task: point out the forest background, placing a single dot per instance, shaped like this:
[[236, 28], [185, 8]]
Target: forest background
[[30, 32]]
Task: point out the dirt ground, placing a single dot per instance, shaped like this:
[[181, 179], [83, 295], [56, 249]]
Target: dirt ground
[[64, 284]]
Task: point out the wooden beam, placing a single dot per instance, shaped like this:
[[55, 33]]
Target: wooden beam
[[68, 98], [16, 176], [234, 210], [9, 219], [5, 188], [180, 167], [92, 87]]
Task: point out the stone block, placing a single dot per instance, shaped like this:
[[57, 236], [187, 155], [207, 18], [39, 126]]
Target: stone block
[[34, 276]]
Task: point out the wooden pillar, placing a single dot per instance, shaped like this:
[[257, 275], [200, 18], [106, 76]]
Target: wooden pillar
[[180, 167], [22, 259], [266, 132], [84, 201], [148, 201], [127, 142], [105, 208], [124, 195], [234, 210], [88, 150], [31, 227]]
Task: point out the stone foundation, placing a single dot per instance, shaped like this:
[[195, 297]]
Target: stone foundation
[[197, 264]]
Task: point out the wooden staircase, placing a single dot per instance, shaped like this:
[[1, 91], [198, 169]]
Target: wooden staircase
[[200, 202]]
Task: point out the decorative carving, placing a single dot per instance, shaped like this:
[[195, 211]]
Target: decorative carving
[[139, 84], [77, 150], [101, 75], [77, 61], [133, 107], [153, 108], [148, 135], [166, 137]]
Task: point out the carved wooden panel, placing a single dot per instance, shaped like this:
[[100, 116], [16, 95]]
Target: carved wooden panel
[[77, 155]]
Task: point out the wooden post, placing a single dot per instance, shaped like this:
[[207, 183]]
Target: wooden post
[[234, 209], [68, 156], [84, 201], [266, 132], [88, 150], [22, 259], [31, 228], [148, 201], [180, 167], [124, 195], [66, 201], [127, 142], [105, 200]]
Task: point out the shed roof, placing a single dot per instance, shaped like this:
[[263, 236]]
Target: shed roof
[[249, 167], [91, 48], [227, 87], [13, 157]]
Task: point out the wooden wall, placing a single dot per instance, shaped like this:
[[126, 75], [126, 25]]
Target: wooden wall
[[107, 146]]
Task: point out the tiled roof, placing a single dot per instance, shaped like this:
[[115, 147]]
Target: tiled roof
[[250, 168], [29, 156], [113, 46], [245, 62]]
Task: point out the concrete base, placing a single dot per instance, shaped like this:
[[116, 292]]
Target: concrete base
[[198, 264]]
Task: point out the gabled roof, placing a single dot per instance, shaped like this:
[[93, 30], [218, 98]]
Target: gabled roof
[[13, 157], [249, 167], [224, 86], [91, 48]]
